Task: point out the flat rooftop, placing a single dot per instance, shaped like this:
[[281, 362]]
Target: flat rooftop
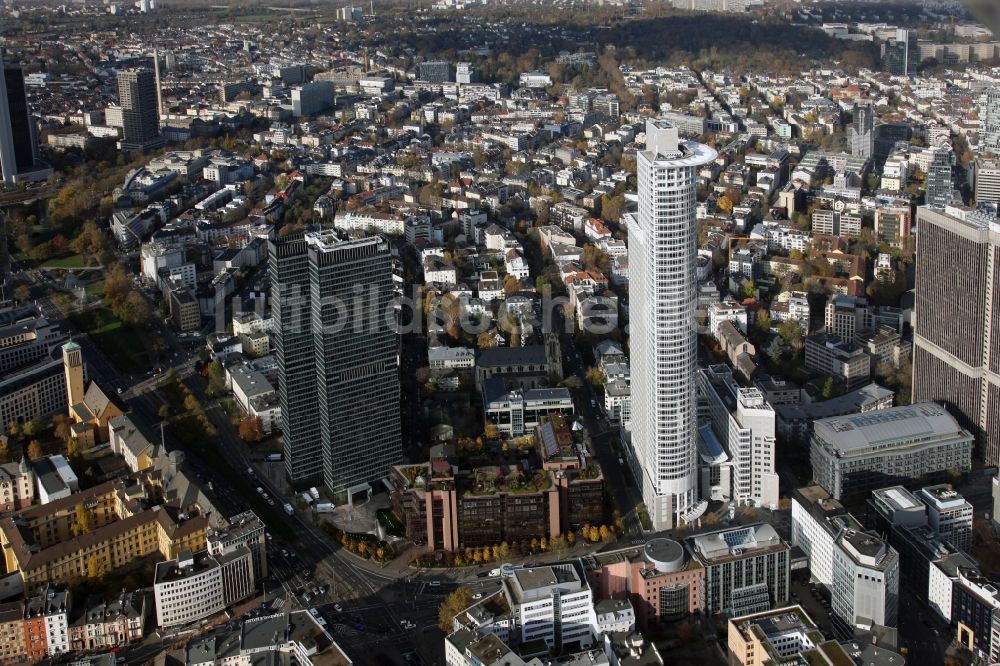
[[168, 572], [898, 498]]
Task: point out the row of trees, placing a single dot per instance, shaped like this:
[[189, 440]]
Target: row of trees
[[503, 551]]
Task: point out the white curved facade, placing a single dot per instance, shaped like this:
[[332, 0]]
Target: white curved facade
[[663, 339]]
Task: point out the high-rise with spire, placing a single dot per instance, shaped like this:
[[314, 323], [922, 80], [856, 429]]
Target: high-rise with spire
[[662, 336]]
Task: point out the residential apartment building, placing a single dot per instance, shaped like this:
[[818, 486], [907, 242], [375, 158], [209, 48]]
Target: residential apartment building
[[486, 506], [956, 341], [662, 255], [836, 223], [853, 455], [845, 361], [893, 225], [13, 647], [102, 624], [744, 422], [885, 346], [989, 121], [845, 316], [133, 517], [746, 568]]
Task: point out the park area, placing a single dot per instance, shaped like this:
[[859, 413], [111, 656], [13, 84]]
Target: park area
[[120, 342]]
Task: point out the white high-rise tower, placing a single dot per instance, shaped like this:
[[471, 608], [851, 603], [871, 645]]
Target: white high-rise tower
[[663, 339]]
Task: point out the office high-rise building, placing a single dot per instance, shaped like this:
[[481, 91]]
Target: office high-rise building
[[662, 248], [902, 54], [939, 177], [986, 180], [18, 139], [288, 265], [744, 422], [956, 340], [434, 71], [989, 120], [340, 380], [465, 72], [141, 119], [312, 98], [863, 131]]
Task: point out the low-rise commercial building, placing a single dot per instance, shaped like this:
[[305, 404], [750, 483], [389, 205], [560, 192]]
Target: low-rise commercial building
[[485, 506], [853, 455], [948, 514], [661, 579], [517, 411], [197, 585], [746, 568]]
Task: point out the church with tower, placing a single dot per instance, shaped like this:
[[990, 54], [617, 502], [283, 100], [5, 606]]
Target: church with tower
[[89, 406]]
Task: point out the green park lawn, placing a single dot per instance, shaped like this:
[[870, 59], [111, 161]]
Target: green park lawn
[[122, 345]]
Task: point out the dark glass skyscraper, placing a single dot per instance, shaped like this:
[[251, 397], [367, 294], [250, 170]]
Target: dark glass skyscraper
[[18, 140], [289, 270], [956, 336], [337, 351], [141, 118]]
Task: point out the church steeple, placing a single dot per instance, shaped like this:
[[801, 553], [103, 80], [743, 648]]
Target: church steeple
[[73, 368]]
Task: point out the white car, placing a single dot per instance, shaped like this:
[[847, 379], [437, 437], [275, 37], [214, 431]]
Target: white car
[[338, 608]]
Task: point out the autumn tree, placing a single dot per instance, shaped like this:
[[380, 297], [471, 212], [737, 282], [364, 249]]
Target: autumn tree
[[60, 427], [453, 604], [32, 429], [216, 379], [251, 429], [612, 207], [35, 450], [84, 523], [511, 284], [94, 569], [595, 376], [5, 453], [117, 284], [593, 258]]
